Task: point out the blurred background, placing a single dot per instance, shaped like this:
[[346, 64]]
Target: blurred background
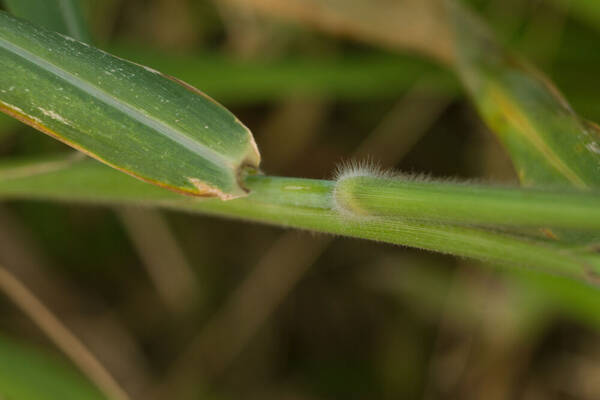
[[178, 306]]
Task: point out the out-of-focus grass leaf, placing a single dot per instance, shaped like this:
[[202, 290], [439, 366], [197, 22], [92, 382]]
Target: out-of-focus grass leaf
[[548, 294], [360, 76], [547, 141], [351, 77], [407, 24], [587, 10], [62, 16], [28, 374], [129, 116]]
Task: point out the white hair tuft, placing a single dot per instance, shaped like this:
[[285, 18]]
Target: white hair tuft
[[355, 169]]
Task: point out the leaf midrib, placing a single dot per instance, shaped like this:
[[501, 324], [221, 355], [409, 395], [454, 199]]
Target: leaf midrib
[[136, 114]]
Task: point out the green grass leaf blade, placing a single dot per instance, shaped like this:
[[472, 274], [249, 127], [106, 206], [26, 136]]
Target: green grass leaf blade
[[291, 202], [62, 16], [28, 374], [128, 116], [547, 141]]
